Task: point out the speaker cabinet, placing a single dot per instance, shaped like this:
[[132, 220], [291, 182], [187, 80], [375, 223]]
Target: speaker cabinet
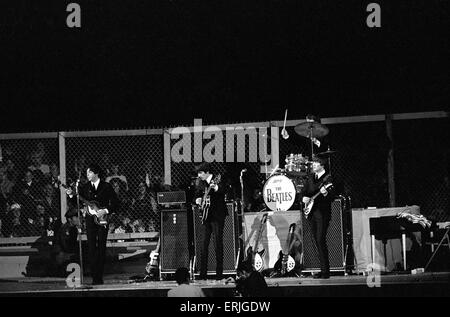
[[174, 240], [230, 241], [336, 240]]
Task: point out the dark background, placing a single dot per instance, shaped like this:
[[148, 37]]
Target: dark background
[[157, 63]]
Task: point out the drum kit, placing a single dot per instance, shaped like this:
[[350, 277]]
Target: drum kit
[[282, 185]]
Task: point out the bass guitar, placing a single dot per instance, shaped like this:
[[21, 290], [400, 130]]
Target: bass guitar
[[253, 255], [206, 201], [308, 206], [93, 208]]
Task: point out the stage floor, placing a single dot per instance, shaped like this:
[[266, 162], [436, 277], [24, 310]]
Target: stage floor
[[424, 284]]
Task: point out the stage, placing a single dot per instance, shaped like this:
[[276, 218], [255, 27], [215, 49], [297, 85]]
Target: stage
[[385, 285]]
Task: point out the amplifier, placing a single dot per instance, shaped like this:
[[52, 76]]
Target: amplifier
[[168, 198]]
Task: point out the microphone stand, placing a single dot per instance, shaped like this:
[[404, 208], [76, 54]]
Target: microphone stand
[[241, 213], [80, 241]]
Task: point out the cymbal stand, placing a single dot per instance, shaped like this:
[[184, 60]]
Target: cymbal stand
[[311, 138], [329, 161]]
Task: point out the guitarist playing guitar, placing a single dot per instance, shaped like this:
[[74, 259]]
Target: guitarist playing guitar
[[101, 200], [319, 185], [213, 218]]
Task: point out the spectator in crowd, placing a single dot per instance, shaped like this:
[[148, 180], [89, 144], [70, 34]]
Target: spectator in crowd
[[152, 225], [7, 153], [40, 151], [80, 168], [66, 243], [184, 288], [122, 195], [105, 164], [3, 209], [51, 200], [124, 225], [28, 186], [26, 193], [16, 225], [39, 169], [116, 174], [54, 178], [113, 223], [11, 171], [138, 226], [6, 185], [39, 225], [144, 204]]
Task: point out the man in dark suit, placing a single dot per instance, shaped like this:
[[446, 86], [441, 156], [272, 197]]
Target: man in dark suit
[[320, 215], [97, 233], [215, 220]]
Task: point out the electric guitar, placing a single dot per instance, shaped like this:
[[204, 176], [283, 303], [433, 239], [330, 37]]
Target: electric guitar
[[310, 203], [253, 255], [93, 208], [285, 262], [152, 267], [206, 201]]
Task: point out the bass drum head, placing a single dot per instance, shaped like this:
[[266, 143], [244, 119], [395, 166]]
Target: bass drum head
[[279, 193]]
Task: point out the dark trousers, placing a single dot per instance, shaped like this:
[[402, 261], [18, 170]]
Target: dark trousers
[[214, 227], [319, 222], [96, 238]]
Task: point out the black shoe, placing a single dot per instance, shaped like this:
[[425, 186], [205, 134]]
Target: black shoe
[[322, 275], [202, 277], [219, 277]]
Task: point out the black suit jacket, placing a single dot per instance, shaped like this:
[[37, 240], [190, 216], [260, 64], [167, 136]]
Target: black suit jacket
[[104, 195], [312, 186], [218, 208]]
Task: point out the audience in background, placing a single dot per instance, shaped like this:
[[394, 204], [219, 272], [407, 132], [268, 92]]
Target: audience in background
[[36, 197], [115, 174]]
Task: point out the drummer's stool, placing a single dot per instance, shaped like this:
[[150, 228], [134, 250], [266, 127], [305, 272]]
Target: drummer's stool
[[384, 228]]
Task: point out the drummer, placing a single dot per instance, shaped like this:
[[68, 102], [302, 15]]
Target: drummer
[[322, 144]]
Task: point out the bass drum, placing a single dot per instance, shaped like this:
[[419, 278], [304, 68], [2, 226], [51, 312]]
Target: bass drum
[[279, 193]]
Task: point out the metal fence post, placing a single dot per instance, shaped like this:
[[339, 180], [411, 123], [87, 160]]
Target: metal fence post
[[62, 173]]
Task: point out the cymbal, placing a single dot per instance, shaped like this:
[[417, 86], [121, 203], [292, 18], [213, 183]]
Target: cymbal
[[327, 152], [318, 130]]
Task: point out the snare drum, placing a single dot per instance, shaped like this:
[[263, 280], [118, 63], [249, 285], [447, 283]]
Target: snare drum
[[279, 193]]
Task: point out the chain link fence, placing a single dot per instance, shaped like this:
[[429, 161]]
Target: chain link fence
[[134, 165]]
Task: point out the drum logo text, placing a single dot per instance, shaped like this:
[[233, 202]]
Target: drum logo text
[[278, 197]]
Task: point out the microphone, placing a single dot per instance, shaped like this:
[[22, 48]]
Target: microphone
[[244, 170]]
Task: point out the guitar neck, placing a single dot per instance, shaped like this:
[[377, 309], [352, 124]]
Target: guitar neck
[[318, 193], [258, 237]]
